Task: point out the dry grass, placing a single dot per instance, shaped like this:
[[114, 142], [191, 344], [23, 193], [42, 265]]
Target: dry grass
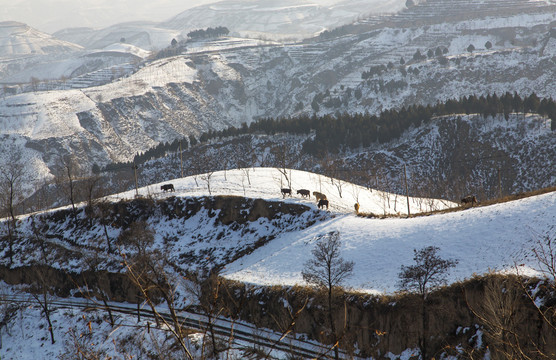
[[465, 207]]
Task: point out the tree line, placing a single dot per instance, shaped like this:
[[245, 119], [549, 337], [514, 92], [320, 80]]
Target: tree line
[[343, 131], [349, 131], [208, 33]]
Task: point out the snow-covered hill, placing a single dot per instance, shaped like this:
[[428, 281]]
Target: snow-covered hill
[[481, 239], [146, 34], [292, 19], [35, 61], [266, 183], [17, 39], [224, 82], [493, 238], [195, 229]]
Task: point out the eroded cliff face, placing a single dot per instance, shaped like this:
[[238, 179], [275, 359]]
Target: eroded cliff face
[[193, 234], [464, 318]]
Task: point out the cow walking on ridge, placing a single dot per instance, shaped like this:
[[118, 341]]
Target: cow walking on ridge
[[323, 203], [470, 199], [319, 196], [286, 191], [167, 187], [304, 192]]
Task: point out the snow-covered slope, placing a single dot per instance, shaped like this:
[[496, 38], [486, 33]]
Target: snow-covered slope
[[17, 39], [35, 61], [493, 238], [125, 49], [266, 183], [292, 19], [224, 82], [146, 35], [482, 239]]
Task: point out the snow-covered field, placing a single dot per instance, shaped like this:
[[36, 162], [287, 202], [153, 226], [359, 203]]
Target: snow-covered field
[[481, 239], [265, 183]]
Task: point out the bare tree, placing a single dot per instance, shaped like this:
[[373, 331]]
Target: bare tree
[[284, 155], [137, 238], [148, 274], [8, 311], [80, 346], [146, 269], [12, 176], [102, 212], [43, 256], [67, 172], [429, 271], [245, 156], [208, 164], [327, 270], [544, 252], [501, 313], [92, 188], [91, 262], [334, 170], [204, 287]]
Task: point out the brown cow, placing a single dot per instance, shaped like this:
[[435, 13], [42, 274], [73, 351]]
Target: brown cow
[[319, 196], [356, 206], [469, 199], [323, 203]]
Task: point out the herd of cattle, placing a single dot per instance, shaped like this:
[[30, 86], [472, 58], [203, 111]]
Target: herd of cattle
[[322, 201]]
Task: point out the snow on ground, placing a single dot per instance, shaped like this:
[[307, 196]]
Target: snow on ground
[[267, 182], [159, 73], [480, 239], [43, 115], [25, 335], [127, 48], [227, 43]]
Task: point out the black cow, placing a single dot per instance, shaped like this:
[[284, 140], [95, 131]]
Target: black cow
[[167, 187], [286, 191], [304, 192], [470, 199], [323, 203]]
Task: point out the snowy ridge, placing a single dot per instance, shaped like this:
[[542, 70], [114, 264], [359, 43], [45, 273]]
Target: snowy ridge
[[292, 19], [224, 82], [266, 183], [17, 39], [481, 239]]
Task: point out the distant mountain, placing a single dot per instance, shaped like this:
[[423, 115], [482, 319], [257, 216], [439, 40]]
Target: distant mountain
[[18, 39], [292, 19], [146, 35], [418, 56]]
